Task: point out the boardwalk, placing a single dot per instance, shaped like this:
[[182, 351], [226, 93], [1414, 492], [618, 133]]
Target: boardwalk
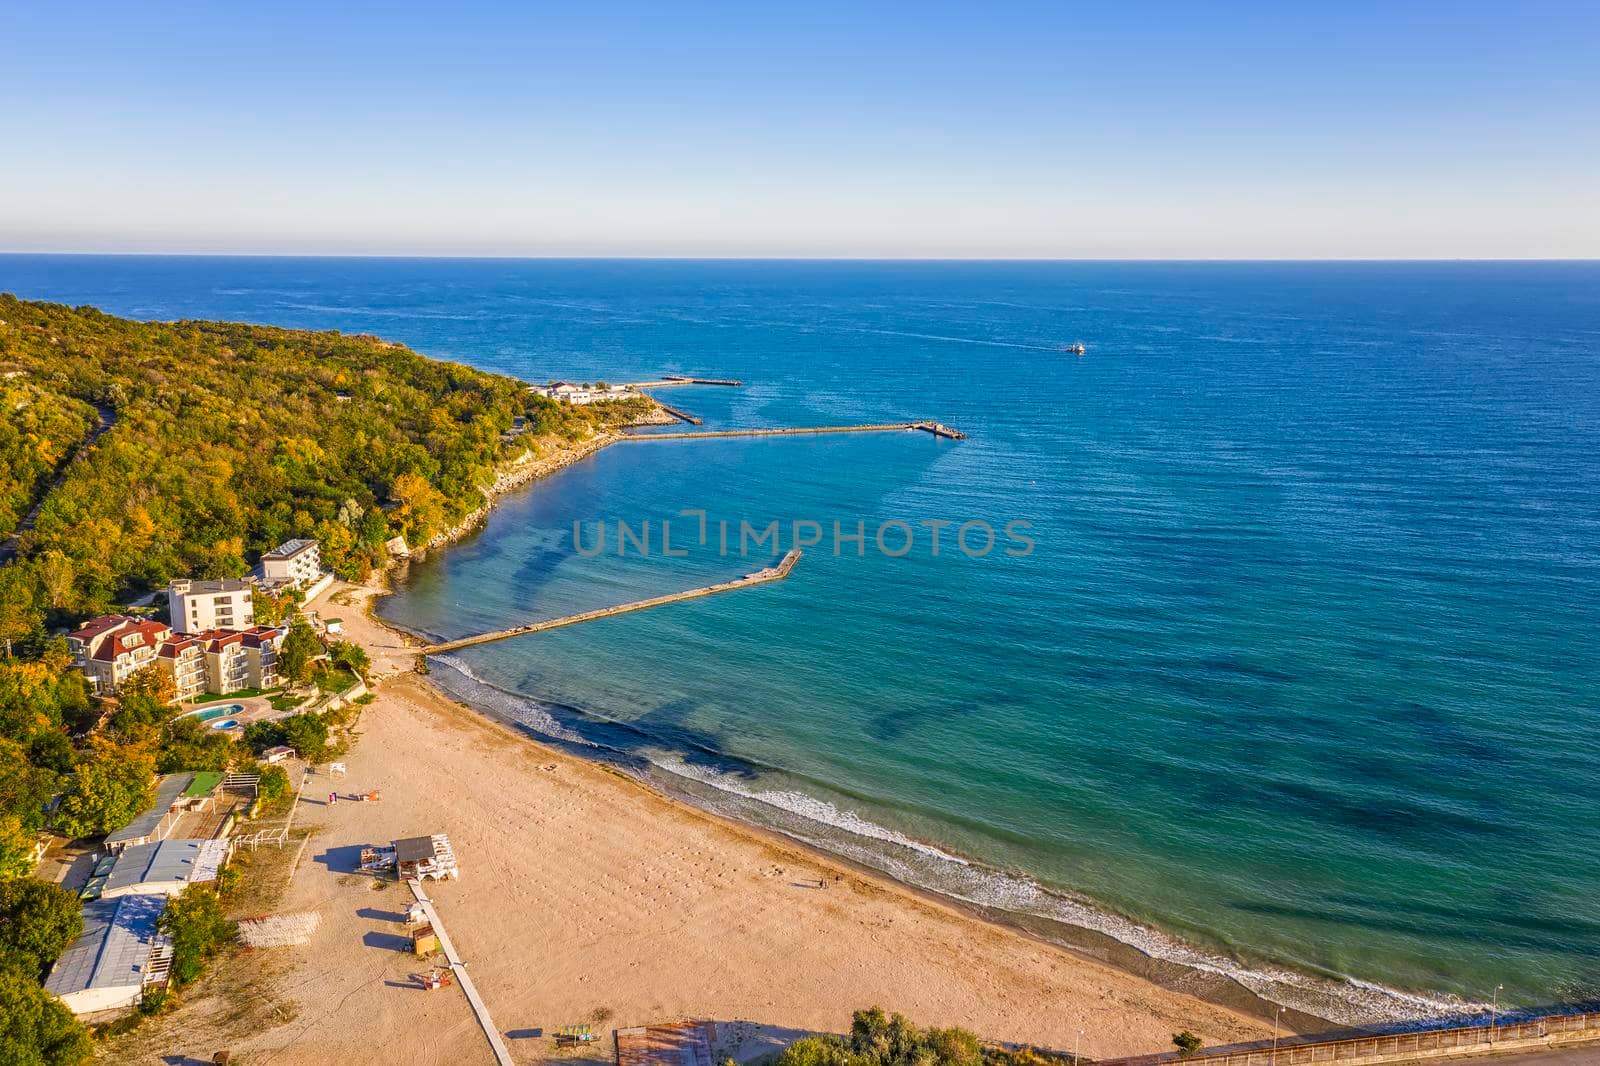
[[938, 429], [760, 577], [502, 1054]]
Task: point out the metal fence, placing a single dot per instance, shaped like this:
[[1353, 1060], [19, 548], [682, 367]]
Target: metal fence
[[1423, 1043]]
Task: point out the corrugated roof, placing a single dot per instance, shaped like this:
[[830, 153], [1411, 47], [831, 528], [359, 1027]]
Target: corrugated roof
[[189, 861], [168, 789], [114, 948]]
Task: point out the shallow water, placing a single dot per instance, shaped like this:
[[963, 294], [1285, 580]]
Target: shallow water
[[1301, 670]]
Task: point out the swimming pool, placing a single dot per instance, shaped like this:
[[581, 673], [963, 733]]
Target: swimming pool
[[227, 723], [216, 710]]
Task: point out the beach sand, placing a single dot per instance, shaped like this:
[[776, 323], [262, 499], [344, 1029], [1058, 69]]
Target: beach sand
[[585, 897]]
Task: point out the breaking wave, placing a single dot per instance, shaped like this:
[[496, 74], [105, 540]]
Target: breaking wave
[[734, 790]]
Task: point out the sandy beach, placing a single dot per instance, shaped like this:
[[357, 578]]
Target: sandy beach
[[586, 897]]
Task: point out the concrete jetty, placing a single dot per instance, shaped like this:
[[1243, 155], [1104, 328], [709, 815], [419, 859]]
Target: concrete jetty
[[760, 577], [668, 380], [938, 429], [680, 415]]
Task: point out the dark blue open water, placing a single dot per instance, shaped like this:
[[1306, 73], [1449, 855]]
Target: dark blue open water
[[1299, 681]]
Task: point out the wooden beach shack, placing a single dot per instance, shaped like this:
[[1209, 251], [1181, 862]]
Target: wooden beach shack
[[678, 1044], [427, 858]]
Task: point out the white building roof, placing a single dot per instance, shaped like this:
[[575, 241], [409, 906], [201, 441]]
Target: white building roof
[[168, 789], [164, 866], [290, 548], [114, 950]]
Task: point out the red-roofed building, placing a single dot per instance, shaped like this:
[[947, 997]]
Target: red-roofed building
[[184, 660], [110, 648], [241, 658]]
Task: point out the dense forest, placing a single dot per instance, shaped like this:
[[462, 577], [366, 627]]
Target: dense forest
[[147, 451], [226, 440]]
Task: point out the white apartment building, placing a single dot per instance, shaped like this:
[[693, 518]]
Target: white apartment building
[[296, 563], [196, 606]]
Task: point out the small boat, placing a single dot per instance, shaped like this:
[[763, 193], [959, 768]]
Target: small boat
[[1075, 348]]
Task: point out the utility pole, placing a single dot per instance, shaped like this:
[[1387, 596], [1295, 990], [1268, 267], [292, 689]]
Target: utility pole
[[1275, 1015], [1494, 1012]]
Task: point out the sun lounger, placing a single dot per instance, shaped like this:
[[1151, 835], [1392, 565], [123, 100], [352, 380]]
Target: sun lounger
[[573, 1034]]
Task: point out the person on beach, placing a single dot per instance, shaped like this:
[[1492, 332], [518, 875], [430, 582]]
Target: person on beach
[[333, 797]]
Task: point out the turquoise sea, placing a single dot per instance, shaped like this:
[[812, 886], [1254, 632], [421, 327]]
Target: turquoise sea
[[1299, 684]]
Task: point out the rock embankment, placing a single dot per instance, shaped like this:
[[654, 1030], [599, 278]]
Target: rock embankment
[[513, 475]]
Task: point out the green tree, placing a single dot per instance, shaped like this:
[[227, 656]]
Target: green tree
[[37, 922], [24, 787], [16, 848], [195, 923], [35, 1029], [307, 734], [300, 647], [188, 745], [111, 786], [351, 656], [273, 784]]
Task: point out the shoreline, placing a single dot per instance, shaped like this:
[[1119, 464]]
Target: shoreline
[[1087, 944], [609, 873], [1201, 976]]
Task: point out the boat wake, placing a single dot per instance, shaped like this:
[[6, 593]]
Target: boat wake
[[733, 789]]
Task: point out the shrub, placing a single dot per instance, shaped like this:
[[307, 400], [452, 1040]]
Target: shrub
[[879, 1039], [273, 785], [1186, 1043], [195, 923]]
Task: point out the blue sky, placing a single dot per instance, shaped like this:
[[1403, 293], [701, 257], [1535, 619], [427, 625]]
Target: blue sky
[[922, 130]]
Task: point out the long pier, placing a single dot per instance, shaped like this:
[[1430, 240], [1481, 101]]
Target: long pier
[[668, 380], [760, 577], [938, 429]]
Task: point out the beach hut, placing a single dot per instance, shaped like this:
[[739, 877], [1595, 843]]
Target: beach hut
[[424, 941], [120, 954], [166, 867], [277, 754], [678, 1044], [427, 858]]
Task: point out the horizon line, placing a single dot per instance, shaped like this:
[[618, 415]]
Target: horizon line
[[800, 258]]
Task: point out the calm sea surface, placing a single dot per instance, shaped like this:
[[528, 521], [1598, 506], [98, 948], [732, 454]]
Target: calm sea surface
[[1300, 681]]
